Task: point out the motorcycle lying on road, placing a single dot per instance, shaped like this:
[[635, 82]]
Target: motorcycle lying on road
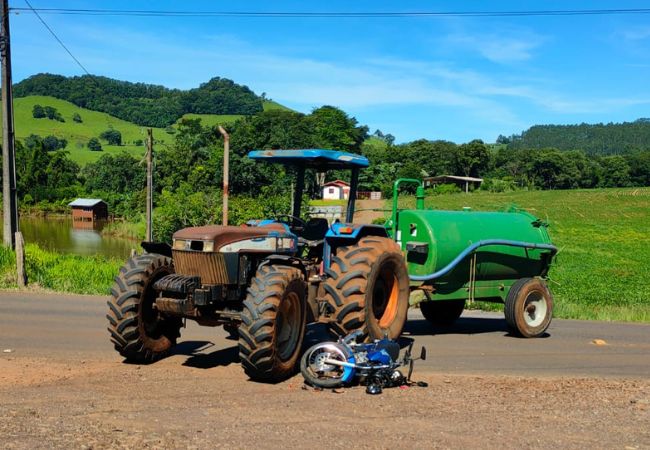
[[375, 364]]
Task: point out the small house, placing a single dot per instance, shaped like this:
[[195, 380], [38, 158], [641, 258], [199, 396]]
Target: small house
[[336, 190], [88, 210], [463, 182]]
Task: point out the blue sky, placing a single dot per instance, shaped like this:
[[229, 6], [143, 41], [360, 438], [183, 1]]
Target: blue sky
[[436, 78]]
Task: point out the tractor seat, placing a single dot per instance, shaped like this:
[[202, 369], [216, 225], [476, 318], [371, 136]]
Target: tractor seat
[[223, 235], [315, 229]]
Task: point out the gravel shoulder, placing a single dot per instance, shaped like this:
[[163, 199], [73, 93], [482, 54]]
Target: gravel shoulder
[[63, 386], [188, 401]]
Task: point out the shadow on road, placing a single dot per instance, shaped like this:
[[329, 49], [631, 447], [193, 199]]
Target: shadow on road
[[469, 325], [200, 359], [464, 325]]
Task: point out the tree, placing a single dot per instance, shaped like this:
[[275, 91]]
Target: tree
[[52, 143], [616, 171], [333, 128], [471, 159], [38, 112], [120, 174], [113, 137], [53, 114], [94, 145], [76, 118]]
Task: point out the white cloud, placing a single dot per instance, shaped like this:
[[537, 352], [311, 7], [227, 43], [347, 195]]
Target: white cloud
[[499, 48]]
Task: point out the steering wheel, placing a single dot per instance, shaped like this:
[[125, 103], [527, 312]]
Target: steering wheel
[[295, 219]]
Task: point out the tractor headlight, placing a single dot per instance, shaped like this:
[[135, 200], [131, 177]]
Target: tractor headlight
[[181, 244]]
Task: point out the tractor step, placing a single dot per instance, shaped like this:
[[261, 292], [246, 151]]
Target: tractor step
[[178, 284]]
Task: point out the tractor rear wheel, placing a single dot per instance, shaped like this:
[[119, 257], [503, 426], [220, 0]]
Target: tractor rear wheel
[[529, 307], [368, 288], [442, 313], [138, 331], [273, 323]]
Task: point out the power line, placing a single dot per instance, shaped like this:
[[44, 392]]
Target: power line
[[332, 14], [55, 36]]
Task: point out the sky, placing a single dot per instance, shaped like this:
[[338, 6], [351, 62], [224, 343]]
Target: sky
[[452, 78]]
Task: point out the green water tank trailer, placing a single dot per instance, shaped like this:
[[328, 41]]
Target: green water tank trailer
[[460, 256]]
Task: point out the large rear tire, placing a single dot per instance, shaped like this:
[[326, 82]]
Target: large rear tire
[[368, 288], [442, 313], [273, 323], [529, 307], [139, 332]]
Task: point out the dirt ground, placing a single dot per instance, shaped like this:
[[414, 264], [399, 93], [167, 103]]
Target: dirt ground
[[205, 401]]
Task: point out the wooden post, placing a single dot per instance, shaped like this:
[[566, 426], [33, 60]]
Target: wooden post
[[20, 260], [226, 163], [149, 215], [9, 205]]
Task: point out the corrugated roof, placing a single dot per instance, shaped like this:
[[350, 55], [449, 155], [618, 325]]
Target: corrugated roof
[[454, 177], [339, 183], [85, 202]]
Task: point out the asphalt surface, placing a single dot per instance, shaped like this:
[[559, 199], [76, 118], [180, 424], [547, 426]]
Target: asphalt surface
[[71, 327]]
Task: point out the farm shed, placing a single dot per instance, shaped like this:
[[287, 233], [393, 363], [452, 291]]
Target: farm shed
[[336, 190], [88, 210], [462, 182]]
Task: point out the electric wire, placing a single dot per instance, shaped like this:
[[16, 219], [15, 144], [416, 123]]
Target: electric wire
[[57, 38], [332, 14]]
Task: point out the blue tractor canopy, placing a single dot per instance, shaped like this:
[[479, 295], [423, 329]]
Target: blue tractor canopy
[[321, 160]]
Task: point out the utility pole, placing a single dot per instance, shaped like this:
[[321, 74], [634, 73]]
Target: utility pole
[[9, 203], [226, 162], [149, 216]]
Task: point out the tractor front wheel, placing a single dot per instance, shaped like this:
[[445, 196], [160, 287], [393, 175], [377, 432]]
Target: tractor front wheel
[[138, 331], [273, 323], [368, 288], [529, 307]]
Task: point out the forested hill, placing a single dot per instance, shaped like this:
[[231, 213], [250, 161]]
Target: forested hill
[[597, 139], [140, 103]]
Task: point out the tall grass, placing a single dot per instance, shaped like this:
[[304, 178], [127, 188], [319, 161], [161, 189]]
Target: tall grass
[[601, 271], [60, 272]]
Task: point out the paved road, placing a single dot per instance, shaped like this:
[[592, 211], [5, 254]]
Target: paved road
[[65, 327]]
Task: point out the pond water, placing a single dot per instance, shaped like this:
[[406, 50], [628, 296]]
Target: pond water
[[57, 234]]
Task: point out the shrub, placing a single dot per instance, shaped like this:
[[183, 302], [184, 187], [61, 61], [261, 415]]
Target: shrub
[[94, 145], [38, 112]]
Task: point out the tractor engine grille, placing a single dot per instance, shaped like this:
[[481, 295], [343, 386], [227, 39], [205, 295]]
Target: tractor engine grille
[[209, 266]]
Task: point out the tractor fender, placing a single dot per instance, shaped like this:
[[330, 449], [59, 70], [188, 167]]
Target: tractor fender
[[161, 248], [346, 234], [341, 234]]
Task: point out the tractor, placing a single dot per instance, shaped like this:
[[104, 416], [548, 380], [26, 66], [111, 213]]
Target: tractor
[[266, 280]]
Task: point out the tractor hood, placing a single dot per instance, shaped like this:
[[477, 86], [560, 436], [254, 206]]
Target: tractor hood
[[221, 236]]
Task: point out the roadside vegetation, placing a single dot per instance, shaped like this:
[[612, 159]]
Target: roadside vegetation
[[59, 272]]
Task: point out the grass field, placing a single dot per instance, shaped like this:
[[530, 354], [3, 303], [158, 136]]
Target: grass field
[[602, 269], [94, 123], [78, 134]]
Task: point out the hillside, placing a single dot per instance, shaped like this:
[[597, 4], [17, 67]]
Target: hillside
[[144, 104], [595, 139], [78, 134], [226, 119]]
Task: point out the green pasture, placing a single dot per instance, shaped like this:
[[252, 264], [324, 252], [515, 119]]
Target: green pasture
[[601, 271], [78, 134]]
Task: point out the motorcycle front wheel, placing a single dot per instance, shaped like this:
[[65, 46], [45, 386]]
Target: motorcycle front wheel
[[318, 370]]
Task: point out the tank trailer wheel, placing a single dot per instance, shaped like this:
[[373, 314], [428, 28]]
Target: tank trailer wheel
[[138, 331], [442, 312], [529, 307], [368, 288], [273, 323]]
